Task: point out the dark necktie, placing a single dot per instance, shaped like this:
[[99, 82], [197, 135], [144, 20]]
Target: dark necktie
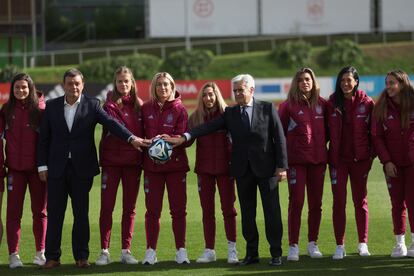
[[245, 118]]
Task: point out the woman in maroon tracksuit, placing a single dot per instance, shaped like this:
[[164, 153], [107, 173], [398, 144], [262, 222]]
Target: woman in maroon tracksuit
[[2, 174], [19, 121], [212, 166], [120, 161], [303, 116], [393, 136], [350, 154], [165, 114]]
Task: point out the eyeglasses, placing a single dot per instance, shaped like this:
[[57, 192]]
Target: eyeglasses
[[239, 90]]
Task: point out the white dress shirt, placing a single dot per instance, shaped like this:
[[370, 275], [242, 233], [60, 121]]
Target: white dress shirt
[[69, 112]]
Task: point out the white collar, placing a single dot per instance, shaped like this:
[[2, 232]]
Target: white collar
[[75, 103]]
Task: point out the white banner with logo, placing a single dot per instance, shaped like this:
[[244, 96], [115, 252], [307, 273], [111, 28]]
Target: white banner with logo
[[278, 88], [315, 16], [397, 15], [201, 18]]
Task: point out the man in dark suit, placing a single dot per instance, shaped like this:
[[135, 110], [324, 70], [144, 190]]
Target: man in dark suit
[[67, 160], [258, 158]]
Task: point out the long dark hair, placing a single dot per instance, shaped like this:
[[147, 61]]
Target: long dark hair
[[295, 95], [32, 102], [339, 94], [406, 96]]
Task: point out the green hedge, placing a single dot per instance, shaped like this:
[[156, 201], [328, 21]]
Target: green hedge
[[187, 65], [295, 53], [342, 53], [143, 66]]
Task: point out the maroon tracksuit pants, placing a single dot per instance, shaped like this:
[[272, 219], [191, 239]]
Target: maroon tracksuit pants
[[358, 175], [401, 190], [299, 176], [154, 186], [17, 182], [111, 176], [207, 190]]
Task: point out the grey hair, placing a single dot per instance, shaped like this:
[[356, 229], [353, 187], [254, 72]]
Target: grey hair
[[246, 78]]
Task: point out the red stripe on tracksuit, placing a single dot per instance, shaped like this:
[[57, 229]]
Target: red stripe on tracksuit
[[120, 161], [305, 130], [20, 151], [212, 167], [169, 119], [395, 144], [350, 154]]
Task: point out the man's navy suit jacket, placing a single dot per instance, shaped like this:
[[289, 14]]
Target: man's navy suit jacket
[[56, 141]]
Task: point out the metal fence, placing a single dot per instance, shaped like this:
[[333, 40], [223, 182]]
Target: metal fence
[[218, 46]]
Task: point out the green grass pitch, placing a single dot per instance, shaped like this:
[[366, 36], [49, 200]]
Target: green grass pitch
[[381, 239]]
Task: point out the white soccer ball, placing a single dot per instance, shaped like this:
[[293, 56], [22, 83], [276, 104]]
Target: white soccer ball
[[160, 151]]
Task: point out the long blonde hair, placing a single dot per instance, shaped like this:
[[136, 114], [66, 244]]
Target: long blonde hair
[[117, 97], [406, 99], [197, 117], [154, 96], [296, 96]]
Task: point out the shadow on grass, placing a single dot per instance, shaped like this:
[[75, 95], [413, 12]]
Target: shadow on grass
[[351, 265]]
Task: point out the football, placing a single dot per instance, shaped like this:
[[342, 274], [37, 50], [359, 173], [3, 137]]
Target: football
[[160, 151]]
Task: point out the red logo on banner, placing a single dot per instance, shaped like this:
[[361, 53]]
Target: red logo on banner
[[203, 8], [316, 9]]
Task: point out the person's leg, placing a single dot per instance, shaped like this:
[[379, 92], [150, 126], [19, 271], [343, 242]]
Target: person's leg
[[396, 192], [359, 178], [296, 175], [247, 193], [16, 190], [57, 197], [314, 188], [177, 198], [154, 185], [109, 187], [206, 191], [409, 195], [38, 197], [130, 186], [227, 191], [79, 193], [269, 192], [339, 179]]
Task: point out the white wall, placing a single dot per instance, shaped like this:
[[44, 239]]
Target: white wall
[[315, 16], [205, 18], [397, 15]]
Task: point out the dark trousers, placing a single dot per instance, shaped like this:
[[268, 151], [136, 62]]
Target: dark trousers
[[269, 192], [58, 190]]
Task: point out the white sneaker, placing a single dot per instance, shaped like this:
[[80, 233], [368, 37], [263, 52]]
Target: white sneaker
[[363, 249], [313, 250], [14, 261], [150, 257], [181, 256], [232, 254], [104, 258], [208, 256], [340, 252], [127, 258], [39, 258], [399, 251], [293, 254]]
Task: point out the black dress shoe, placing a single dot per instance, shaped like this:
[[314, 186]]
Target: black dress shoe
[[249, 260], [275, 261]]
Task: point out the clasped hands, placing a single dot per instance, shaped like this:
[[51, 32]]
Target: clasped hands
[[138, 142]]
